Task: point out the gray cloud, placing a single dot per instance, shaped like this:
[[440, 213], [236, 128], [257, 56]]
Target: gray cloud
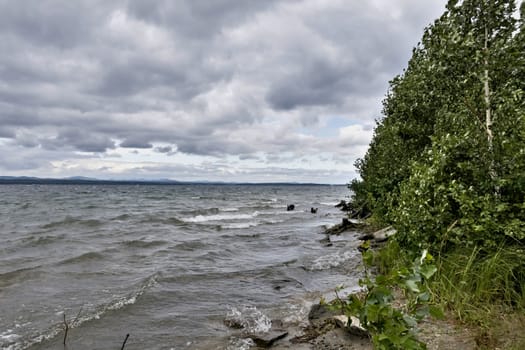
[[255, 80], [135, 144]]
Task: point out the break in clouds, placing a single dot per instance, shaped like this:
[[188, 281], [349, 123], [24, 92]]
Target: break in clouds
[[221, 90]]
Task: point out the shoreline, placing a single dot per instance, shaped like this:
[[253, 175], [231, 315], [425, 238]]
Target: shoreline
[[325, 329], [317, 330]]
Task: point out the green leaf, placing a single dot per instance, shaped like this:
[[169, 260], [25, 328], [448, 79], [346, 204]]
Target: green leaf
[[410, 321], [428, 271], [423, 297], [412, 286]]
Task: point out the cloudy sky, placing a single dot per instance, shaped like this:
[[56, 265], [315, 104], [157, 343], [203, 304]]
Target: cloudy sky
[[229, 90]]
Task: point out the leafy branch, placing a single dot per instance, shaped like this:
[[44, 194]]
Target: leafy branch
[[390, 327]]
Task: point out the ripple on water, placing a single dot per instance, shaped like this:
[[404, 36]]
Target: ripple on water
[[89, 256], [141, 243], [68, 221]]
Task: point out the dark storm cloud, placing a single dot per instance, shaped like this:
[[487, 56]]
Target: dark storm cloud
[[218, 78]]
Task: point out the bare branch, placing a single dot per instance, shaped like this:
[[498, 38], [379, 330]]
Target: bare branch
[[66, 329], [125, 340]]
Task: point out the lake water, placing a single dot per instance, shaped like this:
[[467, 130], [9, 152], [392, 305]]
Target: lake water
[[165, 264]]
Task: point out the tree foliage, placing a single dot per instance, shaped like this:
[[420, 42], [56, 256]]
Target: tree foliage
[[446, 165]]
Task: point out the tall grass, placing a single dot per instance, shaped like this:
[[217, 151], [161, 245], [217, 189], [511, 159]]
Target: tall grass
[[484, 289], [471, 282]]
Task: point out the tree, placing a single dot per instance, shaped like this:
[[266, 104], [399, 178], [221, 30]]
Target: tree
[[447, 159]]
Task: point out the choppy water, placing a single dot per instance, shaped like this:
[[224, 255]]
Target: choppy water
[[166, 264]]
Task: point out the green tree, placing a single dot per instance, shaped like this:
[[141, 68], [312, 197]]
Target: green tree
[[447, 159]]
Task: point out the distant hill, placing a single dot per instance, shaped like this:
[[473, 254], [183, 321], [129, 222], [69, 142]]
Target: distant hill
[[81, 180]]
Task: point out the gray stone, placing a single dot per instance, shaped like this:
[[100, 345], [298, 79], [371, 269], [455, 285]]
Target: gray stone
[[320, 311], [267, 339], [356, 328]]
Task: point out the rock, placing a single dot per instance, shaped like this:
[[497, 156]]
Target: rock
[[356, 328], [233, 323], [352, 324], [290, 207], [319, 313], [338, 339], [341, 321], [379, 236], [326, 241], [266, 339]]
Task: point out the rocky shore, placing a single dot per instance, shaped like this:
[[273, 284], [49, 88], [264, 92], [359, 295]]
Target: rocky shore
[[328, 329]]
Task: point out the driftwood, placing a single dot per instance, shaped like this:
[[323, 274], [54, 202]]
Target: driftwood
[[125, 340], [66, 325], [345, 225], [379, 236]]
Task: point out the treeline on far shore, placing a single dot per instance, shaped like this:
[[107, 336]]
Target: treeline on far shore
[[446, 167]]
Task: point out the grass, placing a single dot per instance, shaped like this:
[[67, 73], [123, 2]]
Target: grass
[[484, 290]]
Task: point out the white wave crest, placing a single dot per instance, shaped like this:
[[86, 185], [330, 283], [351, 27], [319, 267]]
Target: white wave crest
[[240, 344], [240, 225], [8, 339], [230, 209], [250, 319], [220, 217], [331, 204], [332, 260]]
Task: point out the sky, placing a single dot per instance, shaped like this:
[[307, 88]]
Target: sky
[[222, 90]]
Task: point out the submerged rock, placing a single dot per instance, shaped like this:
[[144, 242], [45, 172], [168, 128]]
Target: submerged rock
[[326, 241]]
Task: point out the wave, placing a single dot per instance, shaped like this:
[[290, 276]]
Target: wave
[[273, 273], [240, 225], [83, 257], [330, 204], [25, 205], [265, 206], [157, 219], [230, 209], [39, 240], [330, 261], [172, 221], [219, 217], [122, 217], [240, 343], [249, 319], [23, 274], [201, 211], [69, 220], [190, 245], [12, 341], [139, 243]]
